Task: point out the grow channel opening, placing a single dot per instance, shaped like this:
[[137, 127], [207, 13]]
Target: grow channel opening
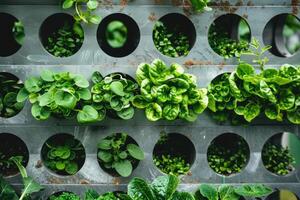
[[118, 35], [12, 146], [280, 154], [174, 154], [63, 154], [282, 195], [174, 35], [10, 85], [228, 154], [12, 35], [229, 35], [60, 35], [282, 32]]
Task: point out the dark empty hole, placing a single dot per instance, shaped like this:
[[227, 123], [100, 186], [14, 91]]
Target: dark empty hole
[[63, 154], [10, 85], [12, 35], [229, 35], [282, 32], [64, 195], [114, 156], [118, 35], [11, 146], [61, 36], [174, 35], [174, 153], [280, 154], [282, 195], [228, 154]]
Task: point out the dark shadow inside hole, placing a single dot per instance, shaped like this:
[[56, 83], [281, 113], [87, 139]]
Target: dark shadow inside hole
[[8, 43], [282, 195], [225, 147], [12, 145], [175, 144], [280, 154], [134, 162], [60, 140], [133, 35], [50, 28], [10, 85], [176, 24], [57, 194], [282, 32], [229, 35]]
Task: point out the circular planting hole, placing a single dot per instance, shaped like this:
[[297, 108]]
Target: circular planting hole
[[61, 36], [10, 85], [174, 154], [63, 154], [118, 35], [119, 154], [229, 35], [64, 195], [11, 148], [174, 35], [280, 154], [228, 154], [282, 32], [12, 35], [282, 195], [115, 92]]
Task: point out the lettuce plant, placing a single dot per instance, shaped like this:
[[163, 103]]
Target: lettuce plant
[[119, 154], [114, 94], [224, 192], [58, 94], [168, 93]]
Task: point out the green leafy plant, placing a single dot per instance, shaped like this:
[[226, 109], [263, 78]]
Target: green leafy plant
[[114, 93], [170, 42], [118, 153], [64, 196], [244, 94], [19, 32], [163, 187], [59, 94], [9, 88], [93, 195], [30, 186], [277, 159], [229, 192], [200, 5], [116, 34], [63, 159], [227, 161], [84, 9], [8, 165], [172, 165], [168, 93], [66, 41]]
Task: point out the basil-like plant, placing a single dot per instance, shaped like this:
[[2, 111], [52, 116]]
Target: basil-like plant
[[114, 94], [65, 196], [168, 93], [245, 94], [82, 15], [9, 88], [117, 153], [224, 192], [163, 187], [30, 186], [59, 94]]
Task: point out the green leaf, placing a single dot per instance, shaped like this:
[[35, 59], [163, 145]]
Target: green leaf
[[209, 191], [117, 88], [135, 151], [88, 114], [286, 99], [153, 112], [6, 190], [47, 75], [140, 102], [138, 189], [92, 4], [244, 69], [251, 111], [80, 81], [40, 113], [68, 4], [124, 168], [65, 99], [104, 144], [226, 192], [182, 196], [294, 116], [32, 85], [97, 77], [71, 168], [164, 186], [126, 113], [30, 187], [84, 93], [45, 99], [105, 156], [257, 190], [94, 19], [78, 29]]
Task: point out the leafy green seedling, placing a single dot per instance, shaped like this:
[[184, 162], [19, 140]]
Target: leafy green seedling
[[65, 196], [19, 32], [116, 34], [200, 5], [172, 165]]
